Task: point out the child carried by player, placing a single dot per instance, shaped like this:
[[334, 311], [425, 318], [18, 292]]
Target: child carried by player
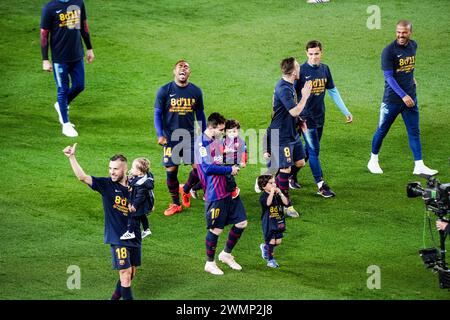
[[142, 199], [234, 153], [272, 218]]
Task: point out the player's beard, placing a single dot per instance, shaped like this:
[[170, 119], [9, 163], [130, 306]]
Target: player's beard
[[117, 178], [405, 39]]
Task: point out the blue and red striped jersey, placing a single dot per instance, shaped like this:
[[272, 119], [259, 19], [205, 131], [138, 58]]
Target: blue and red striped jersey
[[209, 160], [235, 151]]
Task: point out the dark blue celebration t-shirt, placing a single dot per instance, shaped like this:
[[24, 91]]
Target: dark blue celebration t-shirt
[[115, 205], [284, 99], [64, 20], [178, 105], [401, 60], [275, 210], [314, 111]]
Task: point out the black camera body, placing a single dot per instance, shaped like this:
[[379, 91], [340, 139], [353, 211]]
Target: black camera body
[[437, 200], [436, 195]]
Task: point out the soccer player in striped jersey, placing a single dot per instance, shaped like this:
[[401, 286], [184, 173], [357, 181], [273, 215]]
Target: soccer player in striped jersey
[[178, 105], [220, 208], [398, 62], [66, 23], [314, 112]]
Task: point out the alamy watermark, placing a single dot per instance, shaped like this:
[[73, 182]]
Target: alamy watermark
[[258, 142], [374, 280], [374, 20], [74, 280]]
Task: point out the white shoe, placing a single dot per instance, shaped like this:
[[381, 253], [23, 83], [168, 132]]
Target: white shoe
[[291, 212], [194, 193], [228, 259], [145, 233], [257, 189], [69, 130], [211, 267], [127, 236], [374, 167], [317, 1], [423, 169]]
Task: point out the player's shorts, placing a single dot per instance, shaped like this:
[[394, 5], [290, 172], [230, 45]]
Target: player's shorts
[[178, 152], [125, 257], [272, 228], [287, 154], [223, 212]]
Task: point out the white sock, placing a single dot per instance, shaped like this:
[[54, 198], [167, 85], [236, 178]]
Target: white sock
[[419, 163], [320, 184], [373, 157]]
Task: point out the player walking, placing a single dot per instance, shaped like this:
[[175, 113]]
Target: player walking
[[398, 62], [314, 112], [65, 21]]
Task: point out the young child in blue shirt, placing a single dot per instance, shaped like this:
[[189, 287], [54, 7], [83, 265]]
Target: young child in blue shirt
[[272, 217]]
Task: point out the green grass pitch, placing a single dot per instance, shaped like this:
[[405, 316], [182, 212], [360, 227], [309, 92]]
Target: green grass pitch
[[49, 221]]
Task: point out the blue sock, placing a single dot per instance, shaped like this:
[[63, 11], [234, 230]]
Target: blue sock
[[126, 293], [144, 221], [191, 181], [282, 181], [294, 171], [269, 248], [233, 237], [117, 293], [211, 244], [173, 185]]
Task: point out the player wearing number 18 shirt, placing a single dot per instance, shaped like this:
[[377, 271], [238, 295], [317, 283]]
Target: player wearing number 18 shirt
[[126, 254]]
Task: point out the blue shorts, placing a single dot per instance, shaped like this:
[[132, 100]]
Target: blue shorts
[[287, 154], [223, 212], [125, 257], [273, 227], [178, 152]]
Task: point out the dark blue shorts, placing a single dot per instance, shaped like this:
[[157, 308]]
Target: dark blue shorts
[[287, 154], [273, 227], [125, 257], [223, 212], [178, 152]]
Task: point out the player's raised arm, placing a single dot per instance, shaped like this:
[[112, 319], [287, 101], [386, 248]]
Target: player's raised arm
[[306, 91], [69, 152]]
